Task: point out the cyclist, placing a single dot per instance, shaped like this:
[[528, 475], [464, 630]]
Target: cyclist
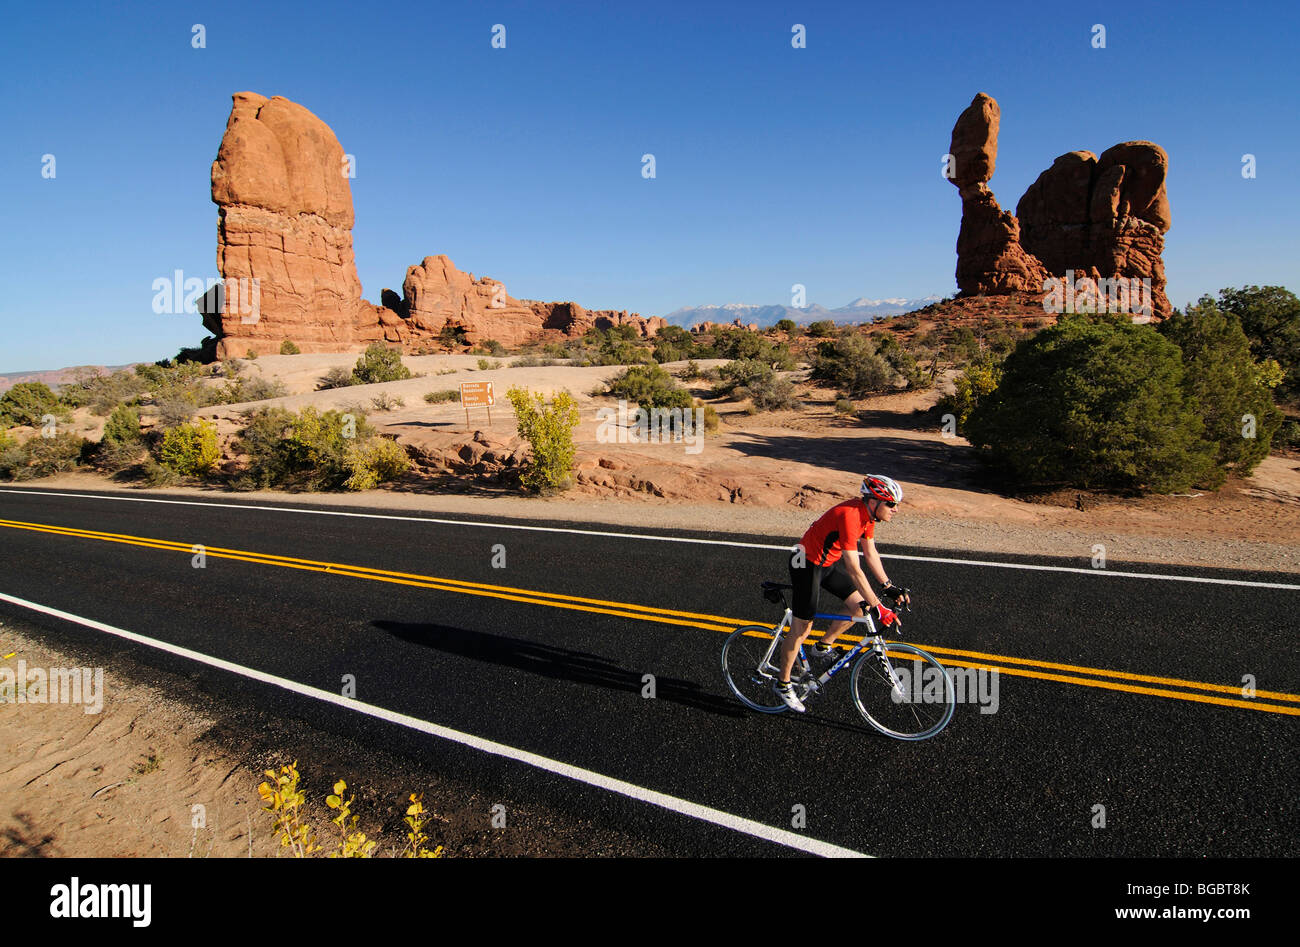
[[829, 559]]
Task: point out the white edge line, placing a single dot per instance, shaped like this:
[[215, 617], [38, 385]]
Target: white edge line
[[681, 806], [666, 539]]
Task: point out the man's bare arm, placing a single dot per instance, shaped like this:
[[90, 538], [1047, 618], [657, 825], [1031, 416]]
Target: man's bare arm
[[873, 560]]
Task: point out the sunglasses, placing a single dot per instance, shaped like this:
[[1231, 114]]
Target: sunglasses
[[889, 503]]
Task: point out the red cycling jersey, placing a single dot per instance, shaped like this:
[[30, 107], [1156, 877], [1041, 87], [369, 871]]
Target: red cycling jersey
[[840, 528]]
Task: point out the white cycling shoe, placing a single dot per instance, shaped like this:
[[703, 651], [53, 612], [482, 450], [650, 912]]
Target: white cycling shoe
[[791, 699]]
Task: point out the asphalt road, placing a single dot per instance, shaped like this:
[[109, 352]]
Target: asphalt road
[[436, 632]]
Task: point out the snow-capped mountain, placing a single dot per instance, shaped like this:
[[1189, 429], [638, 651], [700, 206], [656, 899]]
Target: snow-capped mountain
[[859, 310]]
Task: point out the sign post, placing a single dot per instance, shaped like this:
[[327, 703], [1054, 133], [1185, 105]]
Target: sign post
[[476, 394]]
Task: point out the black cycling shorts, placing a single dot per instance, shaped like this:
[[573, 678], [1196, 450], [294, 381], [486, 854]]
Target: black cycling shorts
[[809, 580]]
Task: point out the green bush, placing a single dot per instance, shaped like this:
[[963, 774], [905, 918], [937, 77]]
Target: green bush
[[531, 361], [29, 401], [549, 431], [1094, 405], [1270, 317], [821, 329], [861, 365], [288, 348], [379, 363], [1288, 436], [190, 449], [386, 402], [785, 325], [742, 373], [306, 451], [710, 416], [485, 365], [374, 461], [650, 386], [978, 381], [1225, 384], [672, 344], [743, 345], [437, 397], [843, 406]]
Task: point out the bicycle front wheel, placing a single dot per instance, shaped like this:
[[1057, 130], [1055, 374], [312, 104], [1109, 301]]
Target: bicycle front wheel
[[742, 654], [903, 692]]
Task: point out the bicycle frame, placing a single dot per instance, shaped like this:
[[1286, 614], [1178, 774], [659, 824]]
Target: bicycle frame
[[872, 641]]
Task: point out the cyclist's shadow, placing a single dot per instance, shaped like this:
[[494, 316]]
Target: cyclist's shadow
[[554, 662]]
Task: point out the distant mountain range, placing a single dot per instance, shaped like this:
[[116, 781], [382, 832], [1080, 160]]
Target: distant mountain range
[[54, 376], [860, 310]]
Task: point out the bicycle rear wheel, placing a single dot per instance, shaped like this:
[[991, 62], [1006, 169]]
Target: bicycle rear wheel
[[742, 653], [904, 693]]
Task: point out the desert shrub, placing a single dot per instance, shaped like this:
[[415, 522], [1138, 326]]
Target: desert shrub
[[1094, 405], [742, 345], [672, 344], [438, 397], [288, 348], [650, 386], [1226, 385], [386, 402], [549, 431], [250, 355], [860, 365], [175, 408], [373, 461], [379, 363], [485, 365], [337, 377], [29, 401], [742, 373], [1288, 436], [1270, 318], [772, 394], [492, 347], [242, 390], [821, 329], [123, 441], [89, 387], [158, 475], [785, 325], [711, 420], [978, 381], [690, 372], [531, 361], [305, 451], [231, 367], [843, 406], [41, 456], [190, 449]]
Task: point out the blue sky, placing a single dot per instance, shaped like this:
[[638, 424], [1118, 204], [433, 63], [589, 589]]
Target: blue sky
[[774, 165]]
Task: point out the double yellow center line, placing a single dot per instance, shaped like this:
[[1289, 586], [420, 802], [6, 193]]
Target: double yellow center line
[[1154, 685]]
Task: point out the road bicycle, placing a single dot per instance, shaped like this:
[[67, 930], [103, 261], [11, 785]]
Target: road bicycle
[[901, 690]]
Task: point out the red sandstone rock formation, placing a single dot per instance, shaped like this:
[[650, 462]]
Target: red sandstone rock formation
[[1100, 218], [989, 256], [285, 221]]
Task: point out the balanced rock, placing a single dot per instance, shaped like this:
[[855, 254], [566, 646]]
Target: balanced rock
[[1100, 218], [989, 256]]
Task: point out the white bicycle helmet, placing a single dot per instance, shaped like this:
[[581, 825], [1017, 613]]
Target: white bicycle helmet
[[881, 488]]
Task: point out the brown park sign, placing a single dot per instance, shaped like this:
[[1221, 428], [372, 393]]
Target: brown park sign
[[476, 394]]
